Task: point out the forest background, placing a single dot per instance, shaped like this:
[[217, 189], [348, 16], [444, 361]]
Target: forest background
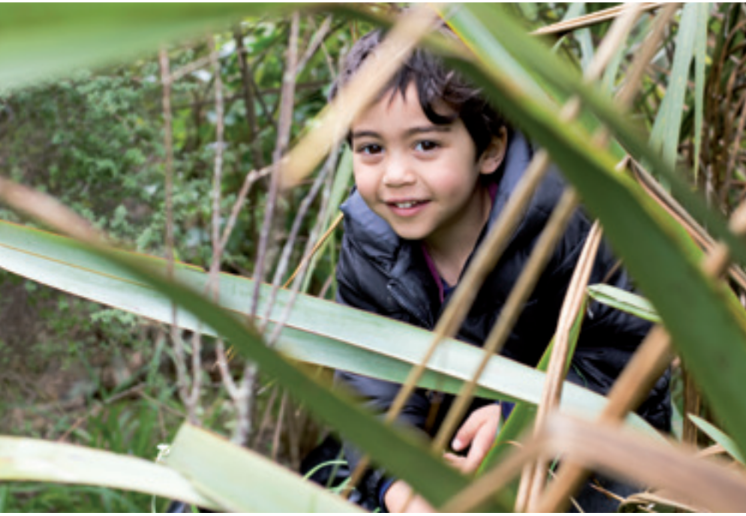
[[97, 140]]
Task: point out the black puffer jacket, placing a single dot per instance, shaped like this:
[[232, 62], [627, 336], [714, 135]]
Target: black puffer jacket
[[382, 273]]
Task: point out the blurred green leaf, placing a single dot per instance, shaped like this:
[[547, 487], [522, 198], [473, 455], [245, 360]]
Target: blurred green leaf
[[241, 480], [40, 41], [23, 459], [582, 36]]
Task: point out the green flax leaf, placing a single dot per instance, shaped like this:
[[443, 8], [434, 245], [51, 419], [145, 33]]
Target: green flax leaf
[[700, 57], [241, 480], [317, 331], [667, 126], [624, 301]]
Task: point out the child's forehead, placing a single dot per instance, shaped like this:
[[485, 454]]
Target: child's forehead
[[395, 105]]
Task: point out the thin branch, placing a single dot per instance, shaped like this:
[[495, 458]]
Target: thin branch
[[195, 65], [295, 229], [330, 164], [178, 344], [248, 92], [283, 138], [313, 46], [246, 399], [251, 178]]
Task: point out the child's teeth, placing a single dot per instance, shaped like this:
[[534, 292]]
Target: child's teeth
[[405, 204]]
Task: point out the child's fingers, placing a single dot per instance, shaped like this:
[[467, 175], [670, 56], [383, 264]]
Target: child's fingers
[[465, 434], [481, 445]]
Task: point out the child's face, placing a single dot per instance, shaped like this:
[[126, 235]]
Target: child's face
[[422, 178]]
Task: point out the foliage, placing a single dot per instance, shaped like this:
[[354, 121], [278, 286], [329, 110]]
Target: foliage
[[94, 141]]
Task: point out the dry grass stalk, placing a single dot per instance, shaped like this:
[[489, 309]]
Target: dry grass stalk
[[661, 497], [320, 242], [556, 371], [592, 19], [644, 56], [647, 364], [674, 468], [48, 211]]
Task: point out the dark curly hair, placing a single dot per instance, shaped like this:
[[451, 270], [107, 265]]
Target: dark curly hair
[[435, 83]]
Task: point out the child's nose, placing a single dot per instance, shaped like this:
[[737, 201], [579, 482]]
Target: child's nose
[[398, 171]]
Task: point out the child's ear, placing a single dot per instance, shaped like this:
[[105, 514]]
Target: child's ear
[[494, 154]]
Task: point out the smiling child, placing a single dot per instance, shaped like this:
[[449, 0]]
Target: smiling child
[[434, 165]]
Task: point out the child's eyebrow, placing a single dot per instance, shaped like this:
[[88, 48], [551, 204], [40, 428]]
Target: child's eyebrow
[[409, 132]]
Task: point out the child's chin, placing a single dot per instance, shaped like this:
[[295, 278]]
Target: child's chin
[[410, 234]]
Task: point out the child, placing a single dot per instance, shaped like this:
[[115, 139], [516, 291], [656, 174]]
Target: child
[[434, 165]]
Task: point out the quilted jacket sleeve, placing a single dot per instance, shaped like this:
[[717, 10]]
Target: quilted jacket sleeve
[[374, 394]]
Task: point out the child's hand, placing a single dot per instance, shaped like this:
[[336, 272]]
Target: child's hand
[[478, 431], [399, 494]]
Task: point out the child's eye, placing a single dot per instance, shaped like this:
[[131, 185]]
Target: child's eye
[[369, 148], [426, 145]]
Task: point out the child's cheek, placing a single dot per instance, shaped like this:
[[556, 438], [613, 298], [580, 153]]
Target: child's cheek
[[365, 183]]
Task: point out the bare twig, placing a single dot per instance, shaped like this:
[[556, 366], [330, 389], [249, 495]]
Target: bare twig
[[316, 41], [298, 221], [195, 65], [309, 255], [176, 341], [246, 389], [278, 426], [248, 92], [299, 274], [283, 138], [251, 178]]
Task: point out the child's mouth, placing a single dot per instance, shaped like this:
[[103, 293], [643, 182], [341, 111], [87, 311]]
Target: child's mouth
[[406, 208]]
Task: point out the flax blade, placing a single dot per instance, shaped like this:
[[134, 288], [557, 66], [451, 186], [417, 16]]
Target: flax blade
[[24, 459], [241, 480], [318, 331]]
